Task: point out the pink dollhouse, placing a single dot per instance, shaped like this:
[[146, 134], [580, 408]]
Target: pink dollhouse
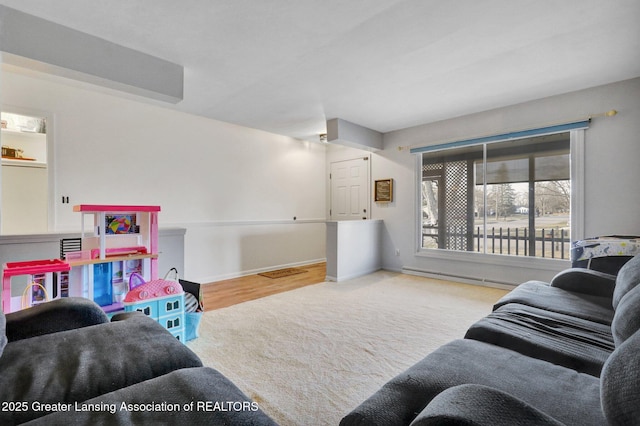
[[117, 241]]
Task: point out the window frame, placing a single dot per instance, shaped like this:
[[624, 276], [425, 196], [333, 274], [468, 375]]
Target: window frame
[[576, 159]]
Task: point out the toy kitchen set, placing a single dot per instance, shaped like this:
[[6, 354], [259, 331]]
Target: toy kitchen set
[[121, 244]]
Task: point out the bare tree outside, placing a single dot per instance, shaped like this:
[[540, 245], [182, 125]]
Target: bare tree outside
[[553, 197]]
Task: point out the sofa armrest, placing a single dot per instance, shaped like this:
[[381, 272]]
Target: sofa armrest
[[58, 315], [123, 316], [479, 405], [586, 281], [77, 365]]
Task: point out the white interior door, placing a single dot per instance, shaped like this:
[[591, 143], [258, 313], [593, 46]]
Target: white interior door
[[350, 189]]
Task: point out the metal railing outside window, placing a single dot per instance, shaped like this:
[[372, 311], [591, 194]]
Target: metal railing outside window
[[551, 243]]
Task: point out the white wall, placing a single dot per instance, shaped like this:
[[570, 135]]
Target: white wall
[[236, 190], [612, 201], [353, 248], [24, 199]]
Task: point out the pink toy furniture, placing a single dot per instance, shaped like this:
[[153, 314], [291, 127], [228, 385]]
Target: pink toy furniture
[[162, 300], [31, 267], [117, 240], [123, 240], [148, 231]]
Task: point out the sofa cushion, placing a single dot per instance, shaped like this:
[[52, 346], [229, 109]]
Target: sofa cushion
[[81, 364], [628, 277], [570, 397], [565, 340], [626, 320], [581, 280], [477, 405], [620, 389], [541, 295]]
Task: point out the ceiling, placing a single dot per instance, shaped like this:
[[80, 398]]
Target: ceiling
[[287, 66]]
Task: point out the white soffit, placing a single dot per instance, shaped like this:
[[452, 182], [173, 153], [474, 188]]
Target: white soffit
[[34, 43], [342, 132]]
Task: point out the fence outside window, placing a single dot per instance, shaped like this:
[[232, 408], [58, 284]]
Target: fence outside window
[[551, 243]]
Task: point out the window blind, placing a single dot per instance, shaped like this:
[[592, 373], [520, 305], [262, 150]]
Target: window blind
[[558, 128]]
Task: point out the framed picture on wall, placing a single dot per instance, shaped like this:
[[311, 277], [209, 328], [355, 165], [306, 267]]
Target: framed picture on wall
[[383, 191]]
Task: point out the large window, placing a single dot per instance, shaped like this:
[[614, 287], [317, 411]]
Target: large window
[[510, 197]]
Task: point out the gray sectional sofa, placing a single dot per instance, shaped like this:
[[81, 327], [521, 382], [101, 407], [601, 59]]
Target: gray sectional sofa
[[559, 353], [65, 363]]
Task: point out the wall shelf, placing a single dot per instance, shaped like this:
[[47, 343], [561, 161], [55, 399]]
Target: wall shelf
[[32, 144], [16, 162]]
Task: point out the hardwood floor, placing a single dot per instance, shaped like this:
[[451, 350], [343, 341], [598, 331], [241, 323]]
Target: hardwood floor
[[237, 290]]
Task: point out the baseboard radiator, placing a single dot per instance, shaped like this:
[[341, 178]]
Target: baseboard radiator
[[459, 278]]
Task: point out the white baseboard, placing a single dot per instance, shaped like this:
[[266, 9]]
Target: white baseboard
[[239, 274], [351, 276]]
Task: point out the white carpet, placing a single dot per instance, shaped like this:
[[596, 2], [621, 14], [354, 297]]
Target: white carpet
[[311, 355]]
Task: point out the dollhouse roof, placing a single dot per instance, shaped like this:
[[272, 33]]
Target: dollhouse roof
[[89, 208], [153, 290]]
